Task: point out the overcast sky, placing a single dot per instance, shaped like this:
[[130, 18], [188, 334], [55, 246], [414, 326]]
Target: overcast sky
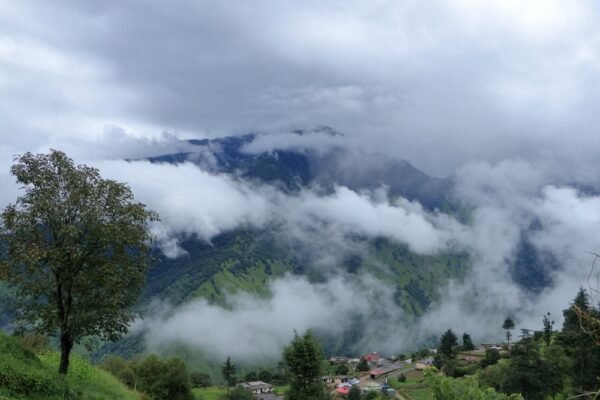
[[439, 83], [501, 94]]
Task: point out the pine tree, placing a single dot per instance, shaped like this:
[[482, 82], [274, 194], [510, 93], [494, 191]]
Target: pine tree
[[363, 365], [303, 357], [448, 343], [228, 371], [467, 343], [579, 345], [548, 326], [508, 325]]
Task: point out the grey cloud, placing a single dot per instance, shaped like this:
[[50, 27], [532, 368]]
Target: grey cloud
[[193, 202], [436, 83], [252, 328], [510, 197]]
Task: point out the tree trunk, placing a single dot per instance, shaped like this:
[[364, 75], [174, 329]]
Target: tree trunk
[[66, 344]]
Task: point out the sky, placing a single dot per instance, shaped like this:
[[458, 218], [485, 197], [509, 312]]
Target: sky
[[439, 83], [500, 95]]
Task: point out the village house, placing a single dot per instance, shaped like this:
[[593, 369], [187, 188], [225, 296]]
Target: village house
[[486, 346], [372, 357], [380, 371], [339, 360], [424, 363], [257, 387]]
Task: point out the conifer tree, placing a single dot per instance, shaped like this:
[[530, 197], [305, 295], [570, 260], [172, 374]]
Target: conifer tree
[[228, 371], [303, 357]]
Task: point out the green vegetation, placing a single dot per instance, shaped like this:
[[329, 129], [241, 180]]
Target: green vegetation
[[363, 365], [416, 277], [27, 376], [445, 388], [166, 379], [448, 344], [542, 365], [76, 249], [467, 343], [209, 393], [228, 371], [303, 357], [508, 326]]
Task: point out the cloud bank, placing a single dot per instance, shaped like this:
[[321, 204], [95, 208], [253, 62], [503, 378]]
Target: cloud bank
[[254, 328], [439, 83]]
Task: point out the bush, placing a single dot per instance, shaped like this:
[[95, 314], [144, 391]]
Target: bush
[[238, 394], [164, 380], [200, 380], [119, 368]]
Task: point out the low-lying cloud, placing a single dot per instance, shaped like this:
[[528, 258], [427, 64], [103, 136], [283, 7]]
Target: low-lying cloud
[[252, 328], [507, 200], [193, 202]]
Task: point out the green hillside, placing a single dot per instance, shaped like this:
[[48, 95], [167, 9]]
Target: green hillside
[[247, 261], [25, 375], [239, 260], [417, 278]]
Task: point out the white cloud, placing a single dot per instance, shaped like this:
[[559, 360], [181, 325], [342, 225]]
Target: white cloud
[[189, 200], [252, 328]]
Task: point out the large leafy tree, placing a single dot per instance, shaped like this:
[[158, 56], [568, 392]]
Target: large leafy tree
[[76, 247], [303, 357]]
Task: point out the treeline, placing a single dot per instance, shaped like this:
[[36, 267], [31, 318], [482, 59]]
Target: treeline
[[169, 378], [542, 364]]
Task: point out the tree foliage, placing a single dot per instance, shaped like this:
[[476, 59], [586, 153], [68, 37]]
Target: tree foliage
[[468, 388], [354, 393], [238, 394], [508, 326], [342, 369], [164, 379], [548, 327], [76, 247], [363, 365], [467, 342], [579, 345], [448, 344], [228, 370], [303, 357], [200, 379]]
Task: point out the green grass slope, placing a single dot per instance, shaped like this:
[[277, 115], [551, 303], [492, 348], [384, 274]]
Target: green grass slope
[[246, 261], [417, 278], [28, 376]]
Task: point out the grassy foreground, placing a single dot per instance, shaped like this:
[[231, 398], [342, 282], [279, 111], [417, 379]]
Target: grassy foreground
[[25, 375], [209, 393]]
